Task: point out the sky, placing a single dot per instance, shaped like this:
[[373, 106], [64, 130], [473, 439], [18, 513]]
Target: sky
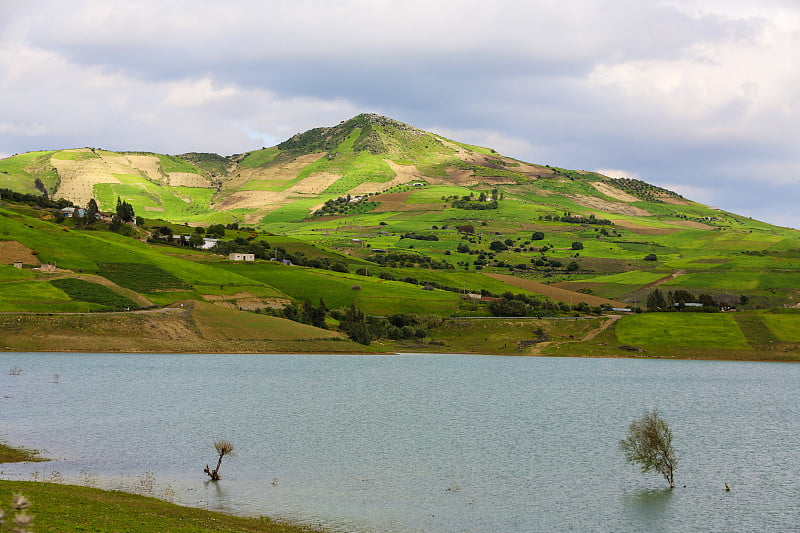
[[698, 96]]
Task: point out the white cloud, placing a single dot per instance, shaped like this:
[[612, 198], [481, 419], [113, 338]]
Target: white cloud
[[617, 173], [693, 192], [700, 93], [195, 93]]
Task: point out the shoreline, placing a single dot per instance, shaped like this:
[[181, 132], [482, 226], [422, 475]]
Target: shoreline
[[410, 352]]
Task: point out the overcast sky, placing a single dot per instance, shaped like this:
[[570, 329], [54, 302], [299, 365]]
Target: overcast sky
[[699, 96]]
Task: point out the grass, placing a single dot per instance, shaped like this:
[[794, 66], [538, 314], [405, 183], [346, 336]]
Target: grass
[[785, 326], [19, 172], [695, 330], [375, 296], [68, 508], [197, 327], [30, 291], [495, 335], [85, 291], [142, 277], [260, 158], [17, 455], [216, 323]]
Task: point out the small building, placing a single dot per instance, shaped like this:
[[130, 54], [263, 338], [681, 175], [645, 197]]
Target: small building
[[17, 264], [235, 256], [208, 243], [48, 268], [72, 212], [472, 296], [379, 251]]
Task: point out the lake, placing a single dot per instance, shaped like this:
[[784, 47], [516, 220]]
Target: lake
[[413, 443]]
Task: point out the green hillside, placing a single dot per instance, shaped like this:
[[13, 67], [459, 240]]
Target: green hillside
[[389, 219]]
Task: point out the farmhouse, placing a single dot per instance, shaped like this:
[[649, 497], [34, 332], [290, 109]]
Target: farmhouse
[[71, 212], [241, 257]]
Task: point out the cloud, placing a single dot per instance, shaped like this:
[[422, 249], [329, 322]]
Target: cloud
[[617, 173], [696, 93]]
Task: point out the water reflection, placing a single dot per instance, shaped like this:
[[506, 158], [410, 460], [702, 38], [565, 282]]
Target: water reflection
[[648, 505]]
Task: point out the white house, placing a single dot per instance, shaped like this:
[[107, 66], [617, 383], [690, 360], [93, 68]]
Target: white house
[[241, 257]]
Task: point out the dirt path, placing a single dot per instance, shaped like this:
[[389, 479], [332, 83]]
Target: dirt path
[[663, 280], [538, 349]]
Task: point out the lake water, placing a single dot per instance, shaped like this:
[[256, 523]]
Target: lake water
[[412, 443]]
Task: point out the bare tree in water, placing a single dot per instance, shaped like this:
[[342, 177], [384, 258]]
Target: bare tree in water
[[223, 448], [649, 444]]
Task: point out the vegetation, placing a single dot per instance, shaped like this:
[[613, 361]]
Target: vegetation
[[85, 291], [18, 455], [223, 448], [69, 508], [407, 223], [649, 444], [142, 277]]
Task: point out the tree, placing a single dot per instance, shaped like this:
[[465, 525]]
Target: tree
[[125, 211], [91, 212], [656, 301], [196, 240], [537, 236], [577, 245], [649, 444], [216, 231], [223, 448]]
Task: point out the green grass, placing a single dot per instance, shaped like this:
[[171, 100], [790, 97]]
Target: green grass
[[146, 197], [80, 154], [9, 454], [785, 326], [697, 330], [142, 277], [84, 291], [19, 172], [10, 273], [31, 290], [68, 508], [173, 163], [375, 296], [260, 158]]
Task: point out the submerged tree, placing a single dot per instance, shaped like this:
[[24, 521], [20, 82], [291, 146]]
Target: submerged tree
[[223, 448], [649, 444]]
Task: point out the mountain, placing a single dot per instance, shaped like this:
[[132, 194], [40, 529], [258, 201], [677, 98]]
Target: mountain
[[373, 210], [366, 155]]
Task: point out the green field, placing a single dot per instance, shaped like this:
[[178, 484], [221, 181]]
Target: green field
[[785, 326], [372, 295], [697, 330], [595, 241]]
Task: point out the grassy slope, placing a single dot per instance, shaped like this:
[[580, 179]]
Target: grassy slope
[[703, 249], [196, 327], [67, 508]]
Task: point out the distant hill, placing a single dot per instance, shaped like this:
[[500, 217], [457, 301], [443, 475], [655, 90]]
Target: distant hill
[[380, 215], [366, 155]]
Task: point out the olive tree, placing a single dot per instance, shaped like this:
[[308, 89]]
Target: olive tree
[[223, 448], [649, 444]]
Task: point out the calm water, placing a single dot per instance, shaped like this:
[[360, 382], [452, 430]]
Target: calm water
[[444, 443]]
